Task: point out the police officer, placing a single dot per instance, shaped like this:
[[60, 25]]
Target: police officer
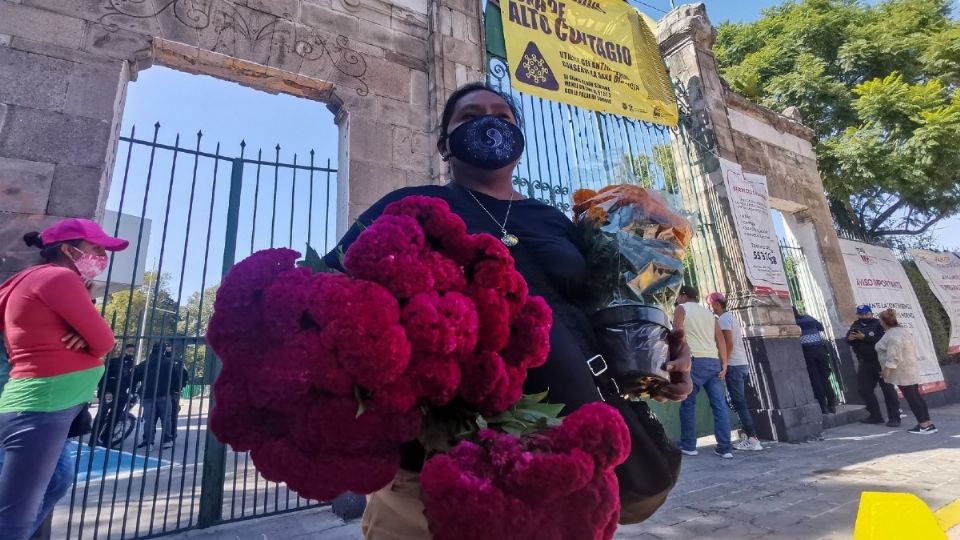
[[864, 333]]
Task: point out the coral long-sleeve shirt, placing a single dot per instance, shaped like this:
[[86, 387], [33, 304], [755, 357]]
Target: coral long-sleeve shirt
[[39, 306]]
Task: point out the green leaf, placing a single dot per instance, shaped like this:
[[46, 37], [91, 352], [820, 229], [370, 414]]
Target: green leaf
[[315, 262]]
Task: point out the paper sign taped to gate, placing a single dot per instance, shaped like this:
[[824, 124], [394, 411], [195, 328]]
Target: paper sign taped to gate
[[596, 54]]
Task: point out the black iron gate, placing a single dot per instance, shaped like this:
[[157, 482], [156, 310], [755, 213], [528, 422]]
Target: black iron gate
[[189, 214]]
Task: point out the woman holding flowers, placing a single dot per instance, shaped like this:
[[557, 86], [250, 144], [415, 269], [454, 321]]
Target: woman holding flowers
[[481, 139]]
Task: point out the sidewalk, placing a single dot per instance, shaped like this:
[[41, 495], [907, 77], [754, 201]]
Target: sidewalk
[[799, 492]]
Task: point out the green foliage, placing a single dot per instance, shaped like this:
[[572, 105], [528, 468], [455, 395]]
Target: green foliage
[[444, 427], [653, 171], [126, 309], [878, 85], [195, 316], [933, 311]]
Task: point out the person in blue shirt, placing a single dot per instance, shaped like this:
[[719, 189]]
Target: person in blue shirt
[[818, 360]]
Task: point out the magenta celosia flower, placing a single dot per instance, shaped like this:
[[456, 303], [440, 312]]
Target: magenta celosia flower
[[236, 326], [322, 476], [530, 334], [435, 379], [493, 315], [447, 274], [333, 425], [285, 301], [426, 314], [553, 482], [481, 373], [598, 430], [441, 325], [388, 253]]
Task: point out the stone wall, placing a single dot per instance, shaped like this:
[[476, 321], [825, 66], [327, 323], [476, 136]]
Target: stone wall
[[723, 124], [384, 68]]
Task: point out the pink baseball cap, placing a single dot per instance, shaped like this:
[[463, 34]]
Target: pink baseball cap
[[81, 229], [716, 297]]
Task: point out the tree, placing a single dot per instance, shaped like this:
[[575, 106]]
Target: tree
[[125, 311], [647, 170], [193, 326], [878, 86]]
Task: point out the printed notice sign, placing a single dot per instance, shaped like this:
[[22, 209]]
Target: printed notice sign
[[596, 54], [750, 204], [879, 280]]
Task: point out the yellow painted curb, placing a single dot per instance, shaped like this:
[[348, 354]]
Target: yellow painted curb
[[949, 515], [896, 516]]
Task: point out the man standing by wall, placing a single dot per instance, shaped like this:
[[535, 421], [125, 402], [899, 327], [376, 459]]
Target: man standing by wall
[[738, 369], [818, 361], [864, 334], [709, 350]]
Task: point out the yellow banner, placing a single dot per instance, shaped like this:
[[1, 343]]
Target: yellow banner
[[595, 54]]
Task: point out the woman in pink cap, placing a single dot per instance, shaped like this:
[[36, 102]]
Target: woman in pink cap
[[55, 339]]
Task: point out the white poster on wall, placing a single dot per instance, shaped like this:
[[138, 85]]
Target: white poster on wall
[[879, 280], [750, 204], [942, 272]]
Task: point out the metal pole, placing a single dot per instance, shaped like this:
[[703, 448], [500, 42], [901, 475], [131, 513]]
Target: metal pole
[[215, 452], [146, 308]]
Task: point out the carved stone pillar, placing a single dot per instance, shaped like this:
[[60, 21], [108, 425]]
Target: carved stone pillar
[[783, 401]]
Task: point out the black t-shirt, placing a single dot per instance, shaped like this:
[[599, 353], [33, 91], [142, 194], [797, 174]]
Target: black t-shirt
[[549, 261]]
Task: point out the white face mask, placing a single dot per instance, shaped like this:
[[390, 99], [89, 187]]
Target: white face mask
[[89, 265]]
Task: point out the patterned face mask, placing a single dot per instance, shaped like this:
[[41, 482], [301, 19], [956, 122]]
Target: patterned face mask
[[487, 143], [89, 265]]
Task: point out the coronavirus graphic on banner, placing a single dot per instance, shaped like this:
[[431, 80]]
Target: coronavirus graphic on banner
[[601, 55]]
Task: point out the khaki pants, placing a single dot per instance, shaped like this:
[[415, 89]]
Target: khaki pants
[[396, 511]]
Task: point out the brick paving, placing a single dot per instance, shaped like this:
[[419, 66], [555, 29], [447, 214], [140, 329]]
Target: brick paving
[[788, 491]]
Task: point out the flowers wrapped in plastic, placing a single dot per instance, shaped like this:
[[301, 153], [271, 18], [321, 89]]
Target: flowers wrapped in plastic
[[427, 337], [635, 247]]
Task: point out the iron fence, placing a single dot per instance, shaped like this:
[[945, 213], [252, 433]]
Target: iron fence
[[806, 296], [571, 148], [189, 213]]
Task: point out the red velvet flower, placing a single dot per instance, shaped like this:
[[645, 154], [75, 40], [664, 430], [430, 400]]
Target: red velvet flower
[[597, 429], [388, 253], [559, 485], [493, 313], [285, 301], [530, 334], [481, 374], [435, 379], [441, 325]]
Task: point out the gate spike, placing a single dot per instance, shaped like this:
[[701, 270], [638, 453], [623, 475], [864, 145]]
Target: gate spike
[[243, 143]]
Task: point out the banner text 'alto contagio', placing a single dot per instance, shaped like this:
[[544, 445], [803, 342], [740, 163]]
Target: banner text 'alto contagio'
[[595, 54]]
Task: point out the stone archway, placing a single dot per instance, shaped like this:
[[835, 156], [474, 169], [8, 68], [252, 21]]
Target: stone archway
[[384, 67]]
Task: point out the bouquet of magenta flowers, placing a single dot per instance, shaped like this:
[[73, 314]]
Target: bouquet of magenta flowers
[[428, 337], [559, 483], [635, 247]]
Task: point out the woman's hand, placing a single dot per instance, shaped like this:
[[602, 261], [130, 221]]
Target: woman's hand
[[679, 367], [73, 342], [885, 374]]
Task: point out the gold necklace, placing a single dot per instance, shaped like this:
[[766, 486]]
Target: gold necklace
[[508, 239]]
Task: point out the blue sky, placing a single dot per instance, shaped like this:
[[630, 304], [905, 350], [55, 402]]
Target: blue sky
[[229, 113]]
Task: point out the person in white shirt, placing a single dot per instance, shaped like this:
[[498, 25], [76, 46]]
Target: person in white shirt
[[708, 348], [738, 369]]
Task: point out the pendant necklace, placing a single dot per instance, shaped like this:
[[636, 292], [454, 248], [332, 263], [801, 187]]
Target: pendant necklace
[[508, 239]]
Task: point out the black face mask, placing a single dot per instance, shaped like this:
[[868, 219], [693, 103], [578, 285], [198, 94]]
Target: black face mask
[[487, 143]]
